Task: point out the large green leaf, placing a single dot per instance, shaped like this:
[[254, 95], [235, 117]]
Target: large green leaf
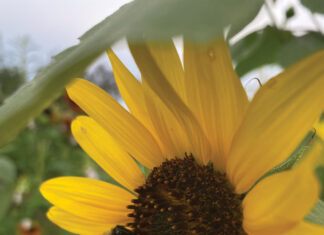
[[196, 20], [153, 19], [271, 45], [314, 5]]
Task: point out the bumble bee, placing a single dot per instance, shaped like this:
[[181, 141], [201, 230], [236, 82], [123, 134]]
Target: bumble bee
[[121, 230]]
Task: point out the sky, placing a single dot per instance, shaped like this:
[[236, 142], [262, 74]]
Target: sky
[[53, 25]]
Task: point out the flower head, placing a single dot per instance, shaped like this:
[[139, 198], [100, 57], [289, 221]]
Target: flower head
[[205, 143]]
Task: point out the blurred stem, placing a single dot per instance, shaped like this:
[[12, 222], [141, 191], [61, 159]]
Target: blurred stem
[[270, 13], [42, 148], [1, 51]]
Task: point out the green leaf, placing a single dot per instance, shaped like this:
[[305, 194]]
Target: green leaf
[[7, 179], [153, 19], [317, 214], [258, 49], [320, 174], [314, 5], [271, 45], [300, 47]]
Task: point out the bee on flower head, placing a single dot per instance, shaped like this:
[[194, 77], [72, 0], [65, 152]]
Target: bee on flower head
[[121, 230]]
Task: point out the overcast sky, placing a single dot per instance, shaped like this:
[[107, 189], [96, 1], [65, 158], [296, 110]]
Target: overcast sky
[[53, 24]]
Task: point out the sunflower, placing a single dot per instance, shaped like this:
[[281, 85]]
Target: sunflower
[[205, 143]]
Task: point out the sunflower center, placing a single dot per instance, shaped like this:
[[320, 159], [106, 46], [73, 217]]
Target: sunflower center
[[182, 197]]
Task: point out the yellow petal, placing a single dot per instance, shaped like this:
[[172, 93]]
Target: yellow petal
[[76, 224], [88, 198], [170, 132], [279, 117], [172, 136], [156, 80], [147, 107], [282, 200], [319, 127], [166, 57], [304, 228], [102, 148], [131, 90], [215, 95], [120, 124]]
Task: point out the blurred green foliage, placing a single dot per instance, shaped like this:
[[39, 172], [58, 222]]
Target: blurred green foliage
[[43, 150], [273, 46], [7, 184], [290, 13], [314, 5], [10, 80]]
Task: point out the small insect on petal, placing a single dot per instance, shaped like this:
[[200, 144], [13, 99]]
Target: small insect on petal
[[121, 230]]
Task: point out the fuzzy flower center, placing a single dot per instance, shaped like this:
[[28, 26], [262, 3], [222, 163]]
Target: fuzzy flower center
[[182, 197]]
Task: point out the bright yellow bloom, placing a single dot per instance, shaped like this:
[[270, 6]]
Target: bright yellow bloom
[[199, 108]]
